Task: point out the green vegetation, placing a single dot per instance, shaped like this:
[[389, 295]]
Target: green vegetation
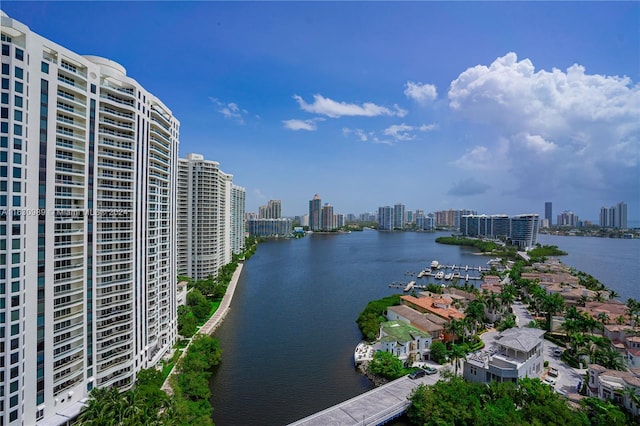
[[145, 404], [387, 365], [439, 352], [490, 247], [372, 316], [456, 402], [545, 251], [191, 384]]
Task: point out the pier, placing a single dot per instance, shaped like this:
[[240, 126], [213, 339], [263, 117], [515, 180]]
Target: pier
[[375, 407]]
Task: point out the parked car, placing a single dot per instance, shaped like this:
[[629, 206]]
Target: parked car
[[553, 372], [418, 373], [430, 370], [557, 352], [550, 381]]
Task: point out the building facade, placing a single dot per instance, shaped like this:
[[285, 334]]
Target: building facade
[[614, 216], [315, 213], [522, 230], [207, 217], [87, 229], [385, 218], [398, 216], [238, 199], [270, 227], [548, 212]]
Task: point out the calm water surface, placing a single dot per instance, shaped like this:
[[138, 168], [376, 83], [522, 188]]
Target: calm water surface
[[288, 339], [614, 262]]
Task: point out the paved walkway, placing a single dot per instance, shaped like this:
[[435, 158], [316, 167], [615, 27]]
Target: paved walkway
[[371, 408], [210, 326]]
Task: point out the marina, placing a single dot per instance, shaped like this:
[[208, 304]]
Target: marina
[[438, 271]]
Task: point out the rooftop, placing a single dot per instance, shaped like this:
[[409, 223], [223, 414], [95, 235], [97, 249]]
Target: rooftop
[[521, 339]]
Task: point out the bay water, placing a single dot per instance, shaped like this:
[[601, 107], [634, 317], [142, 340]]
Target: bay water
[[289, 337]]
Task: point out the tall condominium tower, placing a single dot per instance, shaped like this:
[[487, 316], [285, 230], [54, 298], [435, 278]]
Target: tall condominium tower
[[315, 213], [238, 197], [87, 228], [206, 216], [328, 221], [385, 218], [548, 212], [614, 216], [398, 216]]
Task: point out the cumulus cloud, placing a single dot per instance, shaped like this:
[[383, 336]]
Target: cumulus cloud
[[421, 93], [557, 130], [334, 109], [399, 132], [230, 110], [359, 133], [309, 125], [468, 187]]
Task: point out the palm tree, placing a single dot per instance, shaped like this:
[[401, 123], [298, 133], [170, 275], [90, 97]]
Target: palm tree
[[455, 328], [620, 319], [456, 354], [613, 294], [603, 317], [552, 304], [610, 358]]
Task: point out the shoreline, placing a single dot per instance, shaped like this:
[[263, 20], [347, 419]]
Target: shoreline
[[211, 325]]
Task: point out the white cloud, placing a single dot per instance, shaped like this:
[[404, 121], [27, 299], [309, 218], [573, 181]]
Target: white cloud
[[230, 111], [428, 127], [309, 125], [333, 109], [421, 93], [359, 133], [557, 130], [477, 158], [399, 132]]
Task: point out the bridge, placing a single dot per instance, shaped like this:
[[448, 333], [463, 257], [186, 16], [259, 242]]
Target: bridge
[[375, 407]]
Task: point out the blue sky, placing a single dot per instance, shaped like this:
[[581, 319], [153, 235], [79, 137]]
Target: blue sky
[[496, 107]]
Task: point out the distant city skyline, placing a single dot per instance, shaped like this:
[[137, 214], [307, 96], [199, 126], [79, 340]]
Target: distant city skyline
[[494, 106]]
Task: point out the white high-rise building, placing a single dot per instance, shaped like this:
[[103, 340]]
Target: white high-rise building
[[87, 228], [238, 197], [206, 216]]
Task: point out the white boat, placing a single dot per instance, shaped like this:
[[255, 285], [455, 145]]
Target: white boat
[[439, 275], [448, 276], [434, 264]]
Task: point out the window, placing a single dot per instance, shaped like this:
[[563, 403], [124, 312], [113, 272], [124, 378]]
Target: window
[[19, 72], [4, 112], [17, 100], [17, 115], [19, 54], [17, 129], [17, 159], [5, 83], [5, 98], [5, 69], [19, 86], [44, 67], [5, 49]]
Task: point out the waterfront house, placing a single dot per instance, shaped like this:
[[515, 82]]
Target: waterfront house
[[405, 341], [426, 322], [516, 354], [615, 385]]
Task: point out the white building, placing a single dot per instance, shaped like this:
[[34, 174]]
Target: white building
[[617, 386], [205, 216], [87, 240], [404, 341], [238, 197], [517, 354]]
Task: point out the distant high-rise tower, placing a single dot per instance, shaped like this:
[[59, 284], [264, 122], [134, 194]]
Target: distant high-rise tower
[[315, 213], [327, 217], [548, 212], [614, 216], [385, 218], [205, 216], [398, 216]]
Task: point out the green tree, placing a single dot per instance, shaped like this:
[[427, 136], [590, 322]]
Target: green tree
[[386, 365], [438, 352], [457, 354], [603, 413], [187, 322], [199, 304]]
